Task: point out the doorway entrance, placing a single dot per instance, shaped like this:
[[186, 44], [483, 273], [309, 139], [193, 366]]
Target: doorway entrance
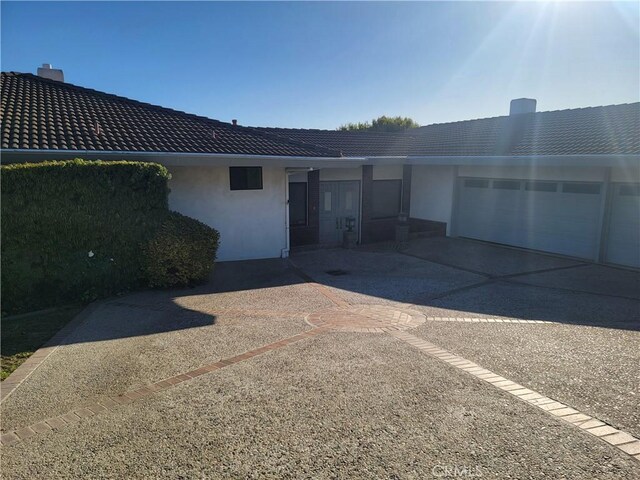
[[339, 200]]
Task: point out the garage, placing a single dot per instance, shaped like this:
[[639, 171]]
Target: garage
[[623, 243], [553, 216]]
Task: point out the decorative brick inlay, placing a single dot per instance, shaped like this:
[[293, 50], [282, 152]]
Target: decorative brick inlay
[[102, 405], [484, 320], [619, 439], [366, 318]]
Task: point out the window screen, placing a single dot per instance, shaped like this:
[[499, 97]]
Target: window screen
[[297, 203], [245, 178], [387, 195]]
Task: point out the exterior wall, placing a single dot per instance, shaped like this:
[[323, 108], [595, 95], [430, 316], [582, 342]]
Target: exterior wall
[[251, 222], [432, 190], [625, 175], [330, 174], [387, 172]]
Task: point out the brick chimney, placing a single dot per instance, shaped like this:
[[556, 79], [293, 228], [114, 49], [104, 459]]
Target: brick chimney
[[47, 71]]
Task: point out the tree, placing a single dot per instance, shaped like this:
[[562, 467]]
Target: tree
[[382, 124]]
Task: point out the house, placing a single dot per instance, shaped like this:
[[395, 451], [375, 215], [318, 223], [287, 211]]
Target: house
[[566, 182]]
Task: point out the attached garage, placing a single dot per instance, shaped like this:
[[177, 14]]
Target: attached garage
[[554, 216], [623, 244]]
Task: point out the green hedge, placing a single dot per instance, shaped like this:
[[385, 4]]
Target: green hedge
[[78, 230], [182, 252]]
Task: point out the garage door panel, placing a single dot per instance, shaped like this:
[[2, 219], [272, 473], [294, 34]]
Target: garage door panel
[[538, 215], [623, 242]]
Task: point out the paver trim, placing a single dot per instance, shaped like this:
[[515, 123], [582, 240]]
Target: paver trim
[[622, 440], [109, 403], [20, 374]]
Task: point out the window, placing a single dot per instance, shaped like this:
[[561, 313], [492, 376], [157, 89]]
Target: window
[[630, 190], [591, 188], [297, 203], [387, 195], [476, 183], [245, 178], [506, 184], [541, 186]]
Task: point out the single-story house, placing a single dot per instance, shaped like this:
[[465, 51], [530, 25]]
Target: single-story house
[[566, 182]]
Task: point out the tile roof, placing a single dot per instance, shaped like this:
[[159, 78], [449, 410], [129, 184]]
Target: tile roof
[[43, 114], [350, 143], [613, 129]]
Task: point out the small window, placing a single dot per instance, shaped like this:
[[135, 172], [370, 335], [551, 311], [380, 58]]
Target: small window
[[245, 178], [506, 184], [588, 188], [386, 198], [297, 204], [630, 190], [541, 186], [476, 183]]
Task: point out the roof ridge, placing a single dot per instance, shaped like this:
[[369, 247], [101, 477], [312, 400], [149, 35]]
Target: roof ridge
[[533, 113], [219, 123]]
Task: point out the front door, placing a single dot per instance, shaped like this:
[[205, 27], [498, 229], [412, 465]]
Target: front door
[[338, 201]]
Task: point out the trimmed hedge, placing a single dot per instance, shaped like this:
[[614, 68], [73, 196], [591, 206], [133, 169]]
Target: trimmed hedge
[[77, 230], [182, 252]]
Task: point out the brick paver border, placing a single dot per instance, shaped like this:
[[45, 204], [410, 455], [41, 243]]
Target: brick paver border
[[20, 374], [109, 403], [366, 318], [618, 438], [622, 440]]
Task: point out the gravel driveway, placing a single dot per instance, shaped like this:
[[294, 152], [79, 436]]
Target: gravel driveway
[[342, 405]]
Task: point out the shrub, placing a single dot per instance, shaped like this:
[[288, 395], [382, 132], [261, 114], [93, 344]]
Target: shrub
[[181, 253], [74, 230]]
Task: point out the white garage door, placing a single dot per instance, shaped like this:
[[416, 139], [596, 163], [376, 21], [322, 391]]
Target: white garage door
[[623, 244], [559, 217]]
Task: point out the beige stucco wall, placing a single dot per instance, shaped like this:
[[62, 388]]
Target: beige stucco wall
[[251, 222]]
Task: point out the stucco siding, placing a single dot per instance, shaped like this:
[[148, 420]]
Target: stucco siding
[[251, 222], [432, 193], [387, 172], [330, 174]]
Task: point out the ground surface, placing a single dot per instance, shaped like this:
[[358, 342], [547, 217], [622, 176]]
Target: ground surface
[[22, 335], [343, 404]]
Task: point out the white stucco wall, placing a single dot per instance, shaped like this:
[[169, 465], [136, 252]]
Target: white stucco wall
[[330, 174], [626, 175], [432, 193], [387, 172], [251, 222]]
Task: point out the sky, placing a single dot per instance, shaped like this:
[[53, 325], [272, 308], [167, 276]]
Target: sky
[[320, 65]]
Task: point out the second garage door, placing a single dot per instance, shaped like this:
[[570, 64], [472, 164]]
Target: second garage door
[[559, 217]]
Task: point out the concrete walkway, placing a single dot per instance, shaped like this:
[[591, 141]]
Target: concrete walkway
[[234, 379]]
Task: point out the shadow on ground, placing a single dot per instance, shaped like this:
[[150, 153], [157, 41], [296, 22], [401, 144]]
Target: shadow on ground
[[443, 277]]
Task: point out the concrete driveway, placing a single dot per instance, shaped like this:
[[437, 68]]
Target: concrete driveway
[[449, 359]]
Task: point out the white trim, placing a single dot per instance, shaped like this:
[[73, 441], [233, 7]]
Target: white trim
[[203, 159]]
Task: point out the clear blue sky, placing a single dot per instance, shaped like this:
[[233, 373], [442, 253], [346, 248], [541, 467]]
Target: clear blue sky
[[320, 65]]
